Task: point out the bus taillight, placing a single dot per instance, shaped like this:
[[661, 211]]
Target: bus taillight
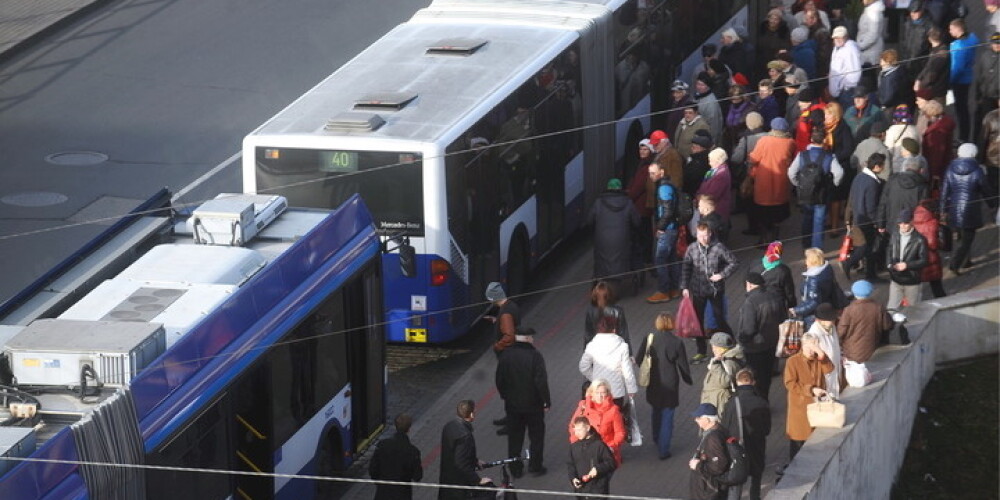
[[439, 272]]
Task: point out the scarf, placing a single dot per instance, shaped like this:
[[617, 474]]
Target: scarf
[[828, 140], [768, 265]]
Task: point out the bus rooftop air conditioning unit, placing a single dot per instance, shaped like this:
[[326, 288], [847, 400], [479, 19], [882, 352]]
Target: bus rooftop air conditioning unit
[[234, 219]]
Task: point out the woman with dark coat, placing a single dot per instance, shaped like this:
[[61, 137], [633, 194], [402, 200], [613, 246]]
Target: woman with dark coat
[[962, 194], [603, 303], [777, 275], [772, 36], [840, 141], [614, 219], [819, 286], [669, 367]]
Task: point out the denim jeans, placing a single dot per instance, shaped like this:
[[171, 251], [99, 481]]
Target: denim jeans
[[667, 272], [813, 217], [663, 429]]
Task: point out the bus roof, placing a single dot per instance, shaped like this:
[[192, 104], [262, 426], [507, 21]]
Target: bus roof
[[448, 88]]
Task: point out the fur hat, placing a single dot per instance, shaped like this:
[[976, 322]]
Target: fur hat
[[967, 150]]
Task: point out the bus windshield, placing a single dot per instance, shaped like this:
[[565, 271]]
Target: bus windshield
[[389, 182]]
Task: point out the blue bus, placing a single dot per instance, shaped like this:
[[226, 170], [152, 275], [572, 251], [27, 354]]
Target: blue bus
[[480, 131], [245, 336]]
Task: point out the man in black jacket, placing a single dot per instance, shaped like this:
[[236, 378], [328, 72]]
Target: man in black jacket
[[458, 454], [757, 329], [906, 258], [756, 424], [396, 459], [710, 460], [591, 463], [666, 225], [864, 198], [524, 386], [903, 190]]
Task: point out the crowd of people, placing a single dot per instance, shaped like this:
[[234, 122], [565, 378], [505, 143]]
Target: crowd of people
[[853, 135]]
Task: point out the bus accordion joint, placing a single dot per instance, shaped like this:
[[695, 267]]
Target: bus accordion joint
[[439, 272]]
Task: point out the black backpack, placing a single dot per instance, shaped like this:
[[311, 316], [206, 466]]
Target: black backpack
[[813, 177], [685, 207]]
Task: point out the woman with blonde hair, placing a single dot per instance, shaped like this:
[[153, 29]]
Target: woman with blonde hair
[[820, 285], [604, 416], [669, 365], [839, 141]]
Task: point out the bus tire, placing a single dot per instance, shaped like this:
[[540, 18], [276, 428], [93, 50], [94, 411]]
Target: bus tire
[[517, 263]]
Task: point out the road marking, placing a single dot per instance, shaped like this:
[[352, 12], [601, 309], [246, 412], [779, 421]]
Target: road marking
[[205, 177]]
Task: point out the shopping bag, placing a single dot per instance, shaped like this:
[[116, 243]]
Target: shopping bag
[[826, 413], [647, 363], [857, 374], [635, 436], [687, 325], [747, 188], [845, 248], [789, 337], [681, 247]]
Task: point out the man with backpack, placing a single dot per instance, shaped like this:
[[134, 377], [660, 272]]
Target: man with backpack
[[814, 173], [749, 418], [673, 209], [710, 460]]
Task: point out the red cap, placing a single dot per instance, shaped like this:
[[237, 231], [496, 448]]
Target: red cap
[[657, 136], [739, 79]]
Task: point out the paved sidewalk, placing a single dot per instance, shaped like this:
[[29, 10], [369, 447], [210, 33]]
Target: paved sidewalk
[[22, 22]]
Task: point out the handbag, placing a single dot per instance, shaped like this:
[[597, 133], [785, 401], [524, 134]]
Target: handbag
[[826, 413], [687, 325], [635, 436], [647, 363], [746, 187], [845, 247], [789, 337], [857, 374]]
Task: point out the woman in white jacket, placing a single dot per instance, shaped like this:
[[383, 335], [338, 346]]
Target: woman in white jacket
[[607, 357]]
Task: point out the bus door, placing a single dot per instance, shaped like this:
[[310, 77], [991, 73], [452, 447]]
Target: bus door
[[253, 433], [366, 356]]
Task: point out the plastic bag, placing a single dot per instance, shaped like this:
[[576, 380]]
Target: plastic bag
[[635, 436], [845, 248], [687, 325], [857, 374], [789, 337]]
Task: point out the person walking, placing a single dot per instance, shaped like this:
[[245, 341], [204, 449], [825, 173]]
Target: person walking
[[805, 380], [753, 428], [757, 329], [865, 194], [505, 325], [604, 415], [666, 226], [906, 257], [396, 459], [603, 301], [769, 162], [720, 378], [962, 194], [523, 384], [607, 358], [861, 324], [963, 59], [669, 366], [815, 173], [591, 463], [707, 264], [459, 460], [710, 459]]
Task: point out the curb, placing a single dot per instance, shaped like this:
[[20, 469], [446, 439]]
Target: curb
[[37, 37]]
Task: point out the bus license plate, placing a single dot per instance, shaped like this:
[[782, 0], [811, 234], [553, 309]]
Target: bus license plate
[[416, 335]]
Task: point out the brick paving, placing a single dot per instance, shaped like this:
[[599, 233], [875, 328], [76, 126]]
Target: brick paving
[[24, 21]]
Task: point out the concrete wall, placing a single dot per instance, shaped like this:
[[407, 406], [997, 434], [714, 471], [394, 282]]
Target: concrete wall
[[862, 459]]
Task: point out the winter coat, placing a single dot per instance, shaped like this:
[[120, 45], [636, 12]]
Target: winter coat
[[720, 187], [675, 115], [936, 71], [666, 205], [669, 367], [395, 459], [962, 192], [685, 133], [829, 343], [694, 172], [987, 76], [903, 190], [711, 112], [594, 314], [990, 142], [721, 377], [641, 189], [458, 459], [760, 314], [914, 255], [819, 286], [702, 262], [743, 148], [871, 28], [591, 453], [860, 329], [769, 43], [521, 379], [865, 193], [779, 280], [614, 218], [737, 56], [895, 87], [894, 143], [769, 109], [714, 461], [804, 126], [913, 43], [925, 223], [865, 149], [963, 59], [860, 120], [756, 413], [607, 358], [673, 166], [936, 145], [801, 375], [845, 68], [606, 419], [804, 56], [770, 160]]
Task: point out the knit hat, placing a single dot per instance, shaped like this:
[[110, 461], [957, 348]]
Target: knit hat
[[800, 35], [494, 292], [911, 145], [902, 114], [717, 157], [646, 144], [724, 340], [657, 136], [967, 150], [754, 120], [905, 216], [773, 252], [779, 124], [615, 185], [741, 80], [778, 65], [862, 289], [703, 140], [825, 312], [679, 85], [754, 278], [916, 5], [860, 91]]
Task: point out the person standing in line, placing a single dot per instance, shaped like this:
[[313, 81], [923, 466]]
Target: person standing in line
[[756, 424], [805, 380], [459, 459], [769, 163], [913, 44], [523, 384], [840, 141], [819, 286], [862, 116], [615, 220], [668, 158], [720, 378], [708, 104], [962, 194], [875, 143], [777, 275], [871, 29], [963, 59], [821, 186], [707, 264], [687, 128], [987, 75], [396, 459], [669, 367], [505, 325], [825, 330], [861, 324], [680, 101], [640, 191], [757, 329], [591, 463], [933, 78], [845, 65], [718, 184], [711, 459], [906, 258], [927, 225], [666, 227], [865, 193], [697, 165], [903, 190], [937, 141]]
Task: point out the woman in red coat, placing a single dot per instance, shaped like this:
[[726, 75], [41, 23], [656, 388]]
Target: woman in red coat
[[604, 417], [936, 143], [927, 225]]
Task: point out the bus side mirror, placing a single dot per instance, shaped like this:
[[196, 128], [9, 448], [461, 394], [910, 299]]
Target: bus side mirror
[[407, 260]]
